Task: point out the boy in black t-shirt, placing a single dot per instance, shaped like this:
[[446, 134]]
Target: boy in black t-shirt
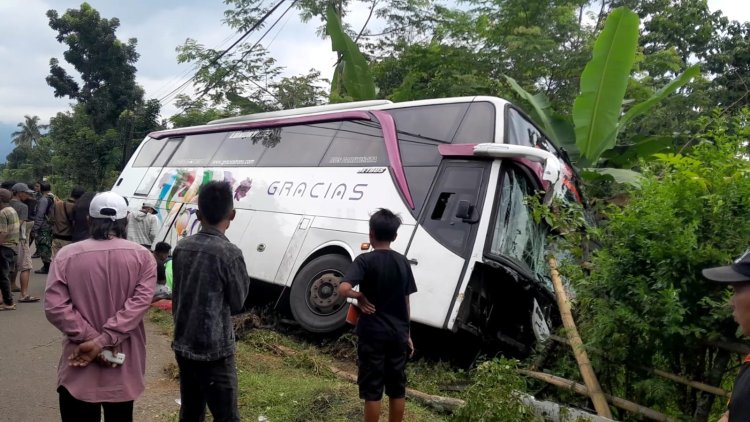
[[385, 282]]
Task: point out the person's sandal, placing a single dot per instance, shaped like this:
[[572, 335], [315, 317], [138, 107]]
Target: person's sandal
[[28, 299], [5, 307]]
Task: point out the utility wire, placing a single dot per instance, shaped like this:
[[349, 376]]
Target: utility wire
[[238, 61], [187, 72], [228, 49]]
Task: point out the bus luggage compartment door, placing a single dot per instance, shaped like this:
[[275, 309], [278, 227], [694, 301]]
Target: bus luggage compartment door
[[265, 242]]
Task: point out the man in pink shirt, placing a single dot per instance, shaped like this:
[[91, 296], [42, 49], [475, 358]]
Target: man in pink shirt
[[98, 291]]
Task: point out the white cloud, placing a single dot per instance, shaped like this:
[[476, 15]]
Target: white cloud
[[738, 10]]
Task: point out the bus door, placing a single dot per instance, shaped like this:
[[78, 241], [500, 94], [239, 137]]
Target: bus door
[[443, 241]]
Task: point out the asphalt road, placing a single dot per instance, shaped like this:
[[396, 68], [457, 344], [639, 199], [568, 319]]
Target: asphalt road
[[30, 349], [29, 352]]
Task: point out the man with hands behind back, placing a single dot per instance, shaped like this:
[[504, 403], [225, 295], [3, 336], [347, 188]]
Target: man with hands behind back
[[98, 291]]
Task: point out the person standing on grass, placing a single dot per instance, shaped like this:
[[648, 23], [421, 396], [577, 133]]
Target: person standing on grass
[[21, 193], [385, 282], [210, 281], [98, 291], [10, 228], [737, 275]]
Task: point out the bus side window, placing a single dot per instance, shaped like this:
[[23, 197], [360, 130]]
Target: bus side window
[[478, 126], [148, 152], [299, 146], [357, 143], [240, 149], [521, 131], [197, 150], [420, 161], [166, 153]]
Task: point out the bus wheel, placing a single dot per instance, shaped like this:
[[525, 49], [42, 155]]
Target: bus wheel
[[314, 297]]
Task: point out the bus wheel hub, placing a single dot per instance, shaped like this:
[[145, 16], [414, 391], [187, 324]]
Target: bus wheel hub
[[324, 292]]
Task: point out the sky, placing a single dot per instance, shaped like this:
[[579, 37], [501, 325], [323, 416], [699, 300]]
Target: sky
[[27, 43]]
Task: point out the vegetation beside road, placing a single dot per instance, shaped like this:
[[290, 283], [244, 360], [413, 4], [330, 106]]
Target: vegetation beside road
[[298, 387]]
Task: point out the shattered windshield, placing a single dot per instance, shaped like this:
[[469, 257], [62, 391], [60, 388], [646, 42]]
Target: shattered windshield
[[515, 234]]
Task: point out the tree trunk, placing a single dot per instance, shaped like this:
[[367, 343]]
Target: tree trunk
[[706, 400]]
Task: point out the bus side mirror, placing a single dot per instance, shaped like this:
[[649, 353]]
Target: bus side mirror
[[552, 165], [465, 211]]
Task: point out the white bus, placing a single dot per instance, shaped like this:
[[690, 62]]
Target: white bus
[[306, 181]]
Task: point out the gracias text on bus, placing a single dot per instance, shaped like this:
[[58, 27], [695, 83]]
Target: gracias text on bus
[[318, 190]]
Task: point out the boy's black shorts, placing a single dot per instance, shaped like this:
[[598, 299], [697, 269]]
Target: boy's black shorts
[[381, 364]]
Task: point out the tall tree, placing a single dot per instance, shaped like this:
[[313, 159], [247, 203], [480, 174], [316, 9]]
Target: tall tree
[[245, 80], [83, 156], [29, 132], [730, 63], [95, 139], [106, 65]]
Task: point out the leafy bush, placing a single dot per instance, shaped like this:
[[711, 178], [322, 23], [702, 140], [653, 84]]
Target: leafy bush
[[494, 394], [645, 301]]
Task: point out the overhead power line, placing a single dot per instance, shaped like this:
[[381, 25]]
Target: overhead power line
[[187, 72], [250, 50], [227, 50]]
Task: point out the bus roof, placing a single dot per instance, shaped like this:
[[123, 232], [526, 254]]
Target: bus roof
[[308, 115], [300, 111]]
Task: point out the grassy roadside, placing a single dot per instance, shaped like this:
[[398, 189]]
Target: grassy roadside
[[301, 387]]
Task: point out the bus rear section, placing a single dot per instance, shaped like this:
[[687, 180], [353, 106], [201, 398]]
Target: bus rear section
[[306, 183]]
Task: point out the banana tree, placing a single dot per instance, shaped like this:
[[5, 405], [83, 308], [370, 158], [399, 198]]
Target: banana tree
[[352, 80], [597, 117]]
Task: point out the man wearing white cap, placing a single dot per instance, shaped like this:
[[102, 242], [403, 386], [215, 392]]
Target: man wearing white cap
[[98, 291], [143, 225]]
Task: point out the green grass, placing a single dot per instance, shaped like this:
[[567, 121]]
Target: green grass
[[162, 319], [437, 378], [297, 387]]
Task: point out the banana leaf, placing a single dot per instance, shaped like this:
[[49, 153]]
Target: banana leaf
[[628, 177], [677, 83], [555, 125], [596, 111], [355, 72], [627, 156]]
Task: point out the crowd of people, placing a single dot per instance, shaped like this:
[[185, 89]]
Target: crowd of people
[[102, 280], [50, 223], [105, 269]]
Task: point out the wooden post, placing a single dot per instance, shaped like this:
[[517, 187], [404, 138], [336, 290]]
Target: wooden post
[[587, 371], [664, 374], [617, 401]]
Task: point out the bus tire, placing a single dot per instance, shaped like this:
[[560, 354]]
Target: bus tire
[[314, 299]]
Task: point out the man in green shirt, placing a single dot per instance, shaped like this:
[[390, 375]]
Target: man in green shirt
[[10, 228]]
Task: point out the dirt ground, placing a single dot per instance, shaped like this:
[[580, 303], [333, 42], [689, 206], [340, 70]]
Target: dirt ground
[[29, 354]]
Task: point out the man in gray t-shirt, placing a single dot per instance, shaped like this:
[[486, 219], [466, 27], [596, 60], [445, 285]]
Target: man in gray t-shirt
[[21, 193]]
